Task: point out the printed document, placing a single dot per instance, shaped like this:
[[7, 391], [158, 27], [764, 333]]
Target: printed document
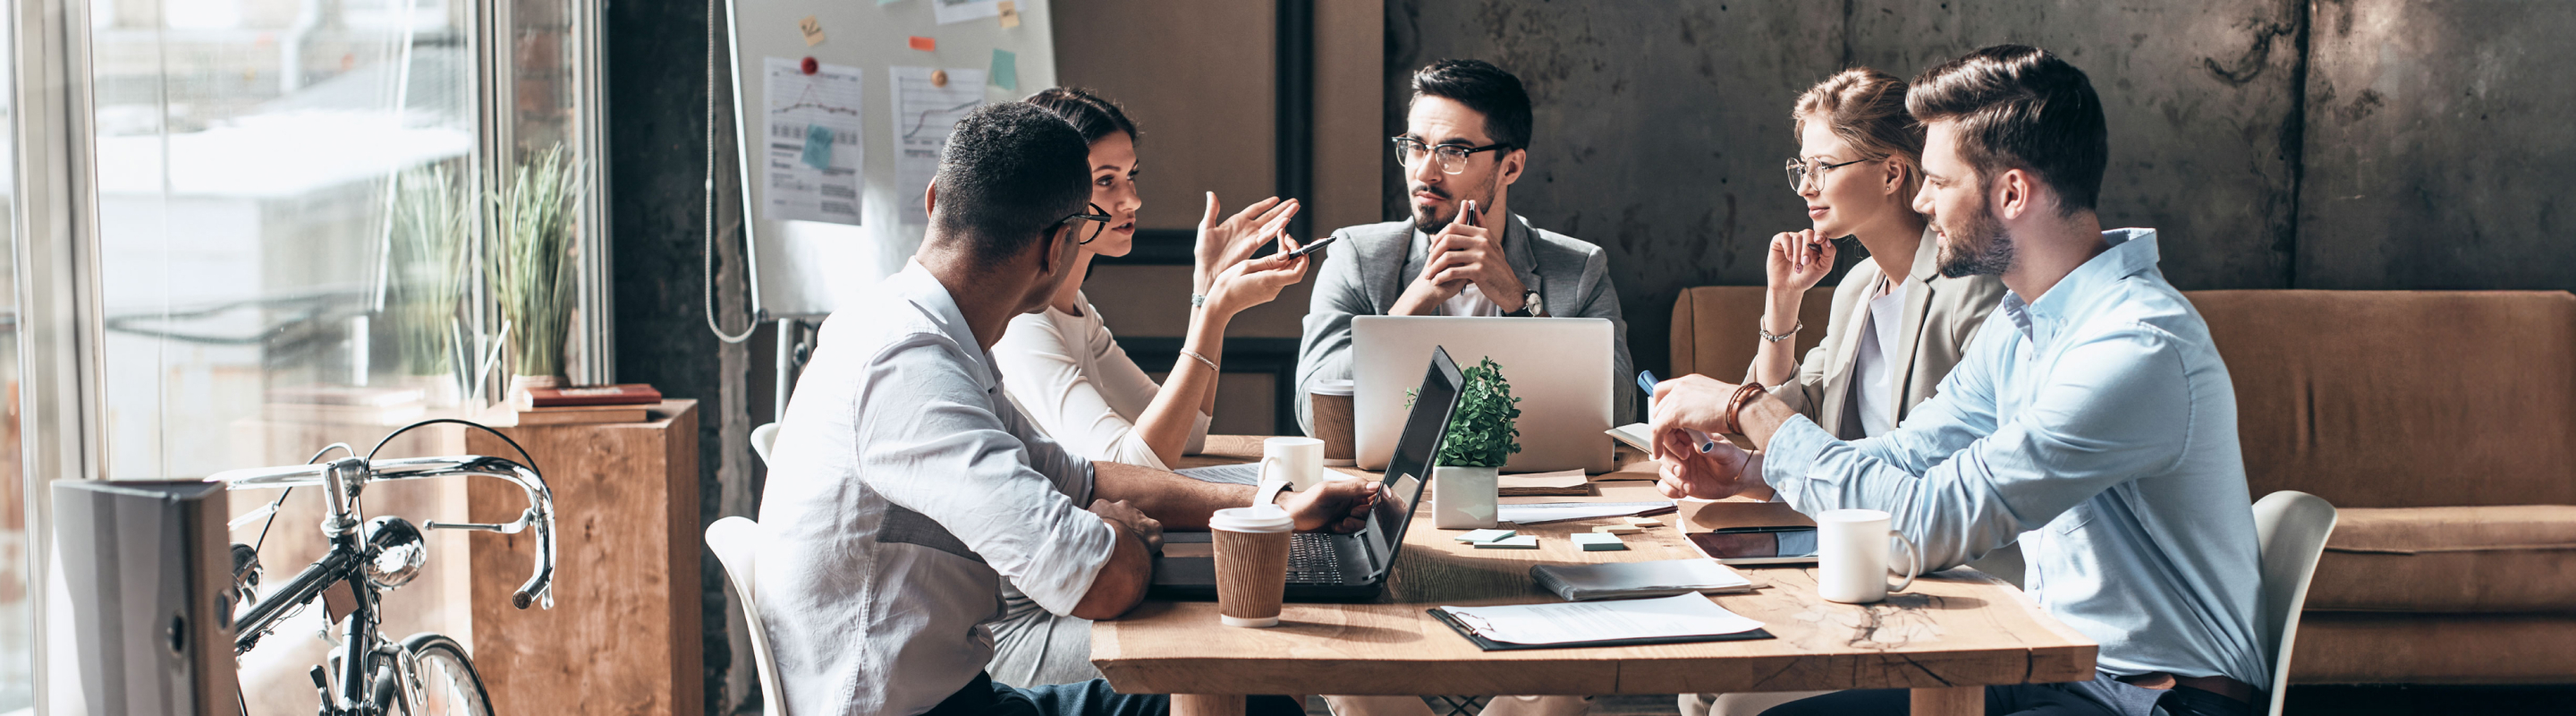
[[924, 111], [811, 130], [1674, 616]]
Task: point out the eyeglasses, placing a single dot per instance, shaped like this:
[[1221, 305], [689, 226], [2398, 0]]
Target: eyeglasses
[[1453, 157], [1098, 219], [1799, 169]]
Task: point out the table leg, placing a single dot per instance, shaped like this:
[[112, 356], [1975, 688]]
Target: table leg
[[1205, 705], [1954, 701]]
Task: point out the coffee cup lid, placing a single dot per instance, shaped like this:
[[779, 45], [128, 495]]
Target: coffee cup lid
[[1258, 518], [1331, 387]]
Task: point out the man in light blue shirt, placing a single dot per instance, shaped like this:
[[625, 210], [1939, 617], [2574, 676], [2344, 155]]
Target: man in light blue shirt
[[2096, 415]]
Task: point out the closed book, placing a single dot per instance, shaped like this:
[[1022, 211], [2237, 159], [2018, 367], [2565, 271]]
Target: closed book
[[620, 394], [576, 417], [1623, 580]]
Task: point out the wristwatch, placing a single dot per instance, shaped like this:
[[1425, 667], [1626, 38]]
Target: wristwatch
[[1531, 306]]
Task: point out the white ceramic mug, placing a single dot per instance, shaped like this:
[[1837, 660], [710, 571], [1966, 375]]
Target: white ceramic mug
[[1851, 556], [1300, 461]]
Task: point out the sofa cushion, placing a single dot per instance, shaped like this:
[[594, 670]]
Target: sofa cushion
[[2354, 648], [1717, 328], [2449, 559], [2403, 398]]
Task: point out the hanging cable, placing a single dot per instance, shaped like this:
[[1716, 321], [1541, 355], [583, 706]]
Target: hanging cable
[[710, 257]]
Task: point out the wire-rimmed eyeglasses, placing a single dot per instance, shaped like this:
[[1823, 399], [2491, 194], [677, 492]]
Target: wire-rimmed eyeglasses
[[1453, 157], [1800, 169]]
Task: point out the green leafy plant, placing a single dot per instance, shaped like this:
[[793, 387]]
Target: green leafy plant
[[531, 267], [1482, 432], [431, 225]]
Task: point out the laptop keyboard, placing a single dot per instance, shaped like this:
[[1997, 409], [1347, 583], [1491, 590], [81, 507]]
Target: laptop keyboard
[[1312, 559]]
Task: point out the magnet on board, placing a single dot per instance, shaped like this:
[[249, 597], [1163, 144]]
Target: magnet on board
[[810, 66]]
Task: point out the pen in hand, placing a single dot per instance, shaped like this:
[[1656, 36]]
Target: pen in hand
[[1646, 381]]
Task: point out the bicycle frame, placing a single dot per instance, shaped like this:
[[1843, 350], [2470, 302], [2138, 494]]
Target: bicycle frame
[[341, 481]]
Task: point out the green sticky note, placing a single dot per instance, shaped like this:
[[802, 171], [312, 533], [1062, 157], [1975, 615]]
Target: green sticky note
[[1597, 542], [818, 147], [887, 2], [1481, 536], [1006, 70], [1521, 542]]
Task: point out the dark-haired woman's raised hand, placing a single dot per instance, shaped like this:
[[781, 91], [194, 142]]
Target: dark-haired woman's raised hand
[[1224, 243]]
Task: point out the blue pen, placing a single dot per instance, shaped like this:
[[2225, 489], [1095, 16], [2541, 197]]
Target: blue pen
[[1646, 381]]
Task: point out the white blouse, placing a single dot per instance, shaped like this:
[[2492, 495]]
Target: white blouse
[[1069, 374]]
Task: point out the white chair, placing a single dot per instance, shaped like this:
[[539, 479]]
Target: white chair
[[762, 439], [2292, 528], [736, 542]]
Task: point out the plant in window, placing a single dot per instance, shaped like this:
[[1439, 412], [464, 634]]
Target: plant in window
[[531, 271], [427, 286], [1482, 436]]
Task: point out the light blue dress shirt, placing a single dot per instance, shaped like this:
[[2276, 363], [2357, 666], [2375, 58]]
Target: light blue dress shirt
[[2101, 417]]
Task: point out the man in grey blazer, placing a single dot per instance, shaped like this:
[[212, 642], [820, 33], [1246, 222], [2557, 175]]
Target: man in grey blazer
[[1466, 140]]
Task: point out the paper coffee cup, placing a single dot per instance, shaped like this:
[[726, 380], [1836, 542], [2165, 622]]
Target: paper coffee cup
[[1331, 407], [1251, 563]]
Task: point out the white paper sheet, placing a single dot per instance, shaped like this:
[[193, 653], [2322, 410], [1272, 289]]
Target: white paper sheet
[[1679, 615], [800, 105], [923, 114], [956, 11], [1545, 512], [1248, 473]]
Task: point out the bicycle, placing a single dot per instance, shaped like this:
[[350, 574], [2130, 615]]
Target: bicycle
[[426, 673]]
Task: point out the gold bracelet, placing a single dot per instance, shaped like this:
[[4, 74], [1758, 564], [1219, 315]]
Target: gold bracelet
[[1203, 359]]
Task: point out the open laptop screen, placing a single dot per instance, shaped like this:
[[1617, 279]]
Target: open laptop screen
[[1424, 428]]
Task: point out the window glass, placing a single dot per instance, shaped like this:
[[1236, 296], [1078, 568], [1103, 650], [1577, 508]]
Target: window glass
[[17, 640]]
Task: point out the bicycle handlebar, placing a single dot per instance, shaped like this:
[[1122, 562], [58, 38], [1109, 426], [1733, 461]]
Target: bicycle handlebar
[[540, 513]]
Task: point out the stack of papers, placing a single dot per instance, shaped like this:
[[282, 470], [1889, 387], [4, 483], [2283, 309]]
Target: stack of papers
[[1683, 618], [1620, 580], [1544, 512]]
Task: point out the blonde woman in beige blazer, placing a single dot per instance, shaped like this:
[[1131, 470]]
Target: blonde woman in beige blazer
[[1898, 325]]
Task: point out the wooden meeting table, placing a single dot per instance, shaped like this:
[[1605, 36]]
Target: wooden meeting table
[[1947, 637]]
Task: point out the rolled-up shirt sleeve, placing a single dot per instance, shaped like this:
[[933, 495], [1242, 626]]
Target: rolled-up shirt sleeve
[[2108, 412], [937, 444]]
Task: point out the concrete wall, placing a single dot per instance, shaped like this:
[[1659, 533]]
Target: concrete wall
[[2409, 145]]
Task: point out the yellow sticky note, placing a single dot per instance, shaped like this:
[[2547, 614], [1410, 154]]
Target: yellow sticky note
[[813, 30], [1010, 14]]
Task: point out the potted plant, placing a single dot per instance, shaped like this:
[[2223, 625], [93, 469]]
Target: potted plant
[[426, 286], [531, 271], [1482, 436]]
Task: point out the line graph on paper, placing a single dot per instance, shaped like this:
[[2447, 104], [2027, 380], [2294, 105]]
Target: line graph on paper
[[812, 151], [924, 112]]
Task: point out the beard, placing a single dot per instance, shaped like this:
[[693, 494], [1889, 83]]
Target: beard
[[1428, 220], [1977, 246]]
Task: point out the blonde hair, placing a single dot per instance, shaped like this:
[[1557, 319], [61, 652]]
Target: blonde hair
[[1866, 109]]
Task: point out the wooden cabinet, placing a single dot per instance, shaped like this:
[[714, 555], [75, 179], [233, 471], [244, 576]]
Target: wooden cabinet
[[624, 635]]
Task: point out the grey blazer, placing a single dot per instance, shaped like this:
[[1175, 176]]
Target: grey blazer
[[1368, 269], [1941, 314]]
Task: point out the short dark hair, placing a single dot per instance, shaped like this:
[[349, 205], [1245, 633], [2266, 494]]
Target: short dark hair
[[2021, 107], [1010, 172], [1089, 113], [1484, 88]]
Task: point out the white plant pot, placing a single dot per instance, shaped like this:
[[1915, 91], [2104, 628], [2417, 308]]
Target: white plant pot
[[1462, 498]]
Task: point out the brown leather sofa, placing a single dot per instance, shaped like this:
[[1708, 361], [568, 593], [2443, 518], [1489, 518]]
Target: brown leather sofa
[[2441, 424]]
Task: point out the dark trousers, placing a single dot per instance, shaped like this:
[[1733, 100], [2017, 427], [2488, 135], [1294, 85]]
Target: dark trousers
[[983, 697], [2100, 697]]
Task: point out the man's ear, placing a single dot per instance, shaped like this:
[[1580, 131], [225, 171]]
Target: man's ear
[[1050, 261], [1511, 165], [2015, 193], [930, 199]]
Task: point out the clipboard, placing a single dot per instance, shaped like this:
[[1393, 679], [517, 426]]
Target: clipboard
[[1490, 645]]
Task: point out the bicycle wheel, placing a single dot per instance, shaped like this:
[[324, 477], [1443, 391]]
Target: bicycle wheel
[[443, 681]]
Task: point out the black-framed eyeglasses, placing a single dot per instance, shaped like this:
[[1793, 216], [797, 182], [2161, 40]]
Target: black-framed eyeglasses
[[1800, 169], [1098, 220], [1453, 157]]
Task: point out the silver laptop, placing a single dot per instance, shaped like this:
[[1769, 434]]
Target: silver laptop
[[1558, 367]]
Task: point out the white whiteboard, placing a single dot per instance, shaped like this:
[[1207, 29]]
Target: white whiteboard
[[804, 268]]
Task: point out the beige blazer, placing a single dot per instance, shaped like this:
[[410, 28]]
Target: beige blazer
[[1941, 315]]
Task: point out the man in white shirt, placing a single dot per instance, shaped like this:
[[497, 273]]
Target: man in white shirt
[[906, 486]]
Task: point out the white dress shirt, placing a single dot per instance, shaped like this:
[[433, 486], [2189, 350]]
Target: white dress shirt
[[1068, 373], [904, 489]]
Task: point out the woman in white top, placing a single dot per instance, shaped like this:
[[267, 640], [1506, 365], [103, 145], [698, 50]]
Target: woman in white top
[[1069, 374]]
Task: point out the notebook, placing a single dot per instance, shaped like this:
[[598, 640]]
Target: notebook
[[1628, 580], [1676, 619]]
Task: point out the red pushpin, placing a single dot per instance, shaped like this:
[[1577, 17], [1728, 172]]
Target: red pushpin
[[810, 66]]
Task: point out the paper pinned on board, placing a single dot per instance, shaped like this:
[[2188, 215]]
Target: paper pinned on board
[[813, 30], [1006, 70], [956, 11], [923, 114], [1010, 14], [806, 118]]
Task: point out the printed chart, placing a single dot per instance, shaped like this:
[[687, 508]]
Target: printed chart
[[924, 111], [812, 135]]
